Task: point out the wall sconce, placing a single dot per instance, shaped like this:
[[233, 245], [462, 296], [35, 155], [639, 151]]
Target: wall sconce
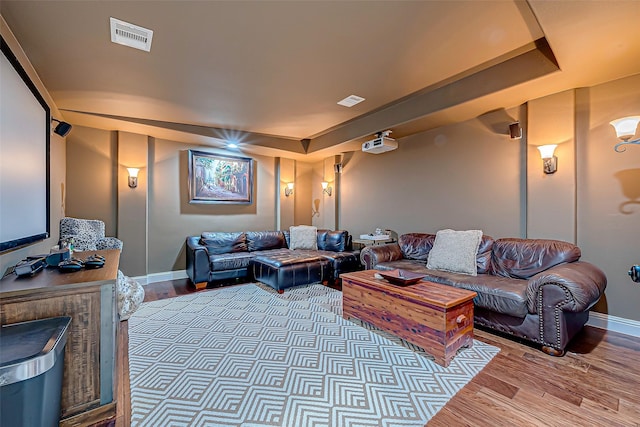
[[133, 177], [549, 161], [288, 190], [625, 129], [325, 188], [62, 128]]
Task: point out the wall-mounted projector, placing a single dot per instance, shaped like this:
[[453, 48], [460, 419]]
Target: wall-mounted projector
[[381, 144]]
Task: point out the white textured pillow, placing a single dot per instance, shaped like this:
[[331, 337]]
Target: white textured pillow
[[303, 237], [455, 251]]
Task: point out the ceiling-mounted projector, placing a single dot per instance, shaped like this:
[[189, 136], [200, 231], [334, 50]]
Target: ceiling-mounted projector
[[381, 144]]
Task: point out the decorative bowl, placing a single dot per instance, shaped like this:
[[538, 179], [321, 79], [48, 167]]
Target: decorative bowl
[[401, 277]]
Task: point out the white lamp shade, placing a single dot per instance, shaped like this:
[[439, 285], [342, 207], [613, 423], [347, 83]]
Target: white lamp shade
[[290, 185], [324, 185], [133, 172], [626, 126], [546, 151]]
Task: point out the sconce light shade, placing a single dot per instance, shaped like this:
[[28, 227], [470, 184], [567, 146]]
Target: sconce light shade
[[549, 161], [625, 129], [288, 190], [133, 177], [515, 131], [325, 188], [546, 151], [62, 128]]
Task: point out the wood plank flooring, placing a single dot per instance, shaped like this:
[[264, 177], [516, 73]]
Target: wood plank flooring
[[597, 383]]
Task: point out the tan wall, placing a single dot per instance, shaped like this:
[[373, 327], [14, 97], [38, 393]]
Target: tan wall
[[468, 176], [172, 218], [132, 203], [463, 176], [324, 205], [609, 192], [303, 195], [551, 121], [57, 151], [286, 212], [155, 218], [92, 176]]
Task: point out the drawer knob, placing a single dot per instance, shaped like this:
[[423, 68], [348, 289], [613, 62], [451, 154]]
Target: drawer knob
[[461, 319]]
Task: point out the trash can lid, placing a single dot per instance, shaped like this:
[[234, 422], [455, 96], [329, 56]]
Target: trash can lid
[[28, 349]]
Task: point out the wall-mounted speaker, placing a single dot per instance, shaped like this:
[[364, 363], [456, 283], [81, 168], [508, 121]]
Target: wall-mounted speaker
[[337, 168], [515, 131], [62, 129]]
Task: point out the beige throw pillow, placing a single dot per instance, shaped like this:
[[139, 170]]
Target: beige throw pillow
[[455, 251], [303, 237]]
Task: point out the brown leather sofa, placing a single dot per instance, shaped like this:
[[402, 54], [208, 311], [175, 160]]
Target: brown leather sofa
[[265, 256], [533, 289]]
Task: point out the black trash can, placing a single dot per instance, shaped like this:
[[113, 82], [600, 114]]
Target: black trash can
[[31, 368]]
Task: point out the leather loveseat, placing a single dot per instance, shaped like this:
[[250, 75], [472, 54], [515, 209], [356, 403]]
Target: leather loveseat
[[265, 256], [533, 289]]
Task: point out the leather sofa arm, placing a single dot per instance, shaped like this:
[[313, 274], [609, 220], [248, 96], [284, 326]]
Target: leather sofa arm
[[371, 256], [197, 260], [581, 283]]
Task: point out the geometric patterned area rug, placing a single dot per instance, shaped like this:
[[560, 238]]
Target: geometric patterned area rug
[[247, 356]]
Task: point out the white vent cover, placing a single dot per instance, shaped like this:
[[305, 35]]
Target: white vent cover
[[131, 35], [351, 100]]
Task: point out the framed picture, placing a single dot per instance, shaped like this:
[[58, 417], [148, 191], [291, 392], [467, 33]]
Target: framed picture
[[219, 179]]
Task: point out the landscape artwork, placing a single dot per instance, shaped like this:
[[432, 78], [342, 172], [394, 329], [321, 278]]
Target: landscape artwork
[[219, 179]]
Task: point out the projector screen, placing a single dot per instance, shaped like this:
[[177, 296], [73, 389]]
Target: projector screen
[[24, 157]]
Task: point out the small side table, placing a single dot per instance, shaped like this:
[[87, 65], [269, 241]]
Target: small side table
[[370, 240]]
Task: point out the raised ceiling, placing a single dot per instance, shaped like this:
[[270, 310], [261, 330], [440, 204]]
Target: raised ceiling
[[270, 74]]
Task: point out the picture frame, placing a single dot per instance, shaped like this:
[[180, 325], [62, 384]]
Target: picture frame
[[221, 179]]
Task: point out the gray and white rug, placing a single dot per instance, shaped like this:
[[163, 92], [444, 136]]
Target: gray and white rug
[[246, 356]]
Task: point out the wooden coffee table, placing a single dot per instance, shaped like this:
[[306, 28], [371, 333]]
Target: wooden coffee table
[[438, 318]]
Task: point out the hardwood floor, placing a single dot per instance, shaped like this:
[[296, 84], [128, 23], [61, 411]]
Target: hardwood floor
[[597, 383]]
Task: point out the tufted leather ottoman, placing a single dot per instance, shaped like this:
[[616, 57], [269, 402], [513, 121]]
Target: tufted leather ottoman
[[285, 270]]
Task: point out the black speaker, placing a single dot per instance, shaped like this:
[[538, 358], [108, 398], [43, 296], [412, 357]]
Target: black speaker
[[515, 131], [337, 168], [62, 129]]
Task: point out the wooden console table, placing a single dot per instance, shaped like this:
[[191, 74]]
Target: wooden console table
[[438, 318], [89, 297]]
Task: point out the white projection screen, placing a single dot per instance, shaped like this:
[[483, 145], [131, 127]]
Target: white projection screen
[[24, 157]]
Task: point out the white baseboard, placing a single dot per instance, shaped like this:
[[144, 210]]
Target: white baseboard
[[161, 277], [615, 324]]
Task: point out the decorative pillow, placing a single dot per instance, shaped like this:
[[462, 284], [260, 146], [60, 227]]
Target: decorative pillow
[[130, 295], [455, 251], [303, 237]]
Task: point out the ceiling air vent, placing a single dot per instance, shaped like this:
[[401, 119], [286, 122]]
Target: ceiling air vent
[[131, 35], [351, 100]]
